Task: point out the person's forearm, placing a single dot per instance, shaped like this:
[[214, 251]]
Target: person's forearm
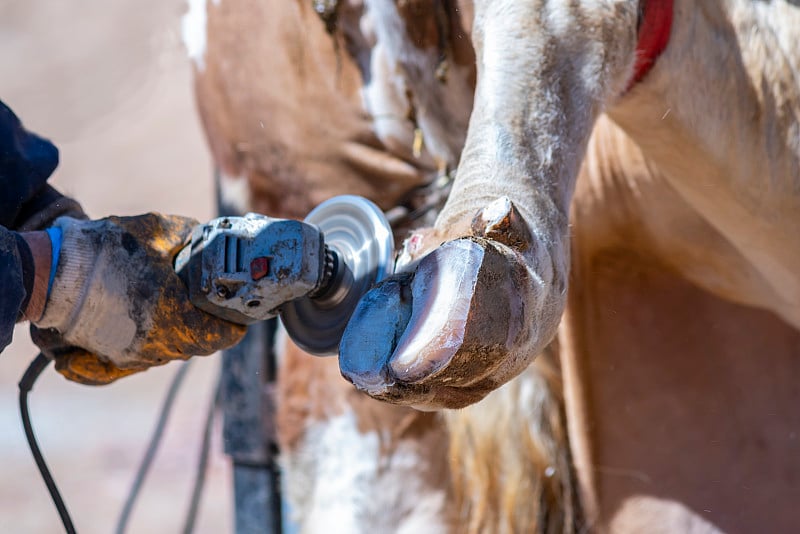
[[41, 250]]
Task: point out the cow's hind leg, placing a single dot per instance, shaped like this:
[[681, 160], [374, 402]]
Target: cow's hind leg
[[356, 465], [510, 456]]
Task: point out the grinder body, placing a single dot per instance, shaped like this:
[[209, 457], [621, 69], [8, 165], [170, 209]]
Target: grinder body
[[312, 273], [244, 268]]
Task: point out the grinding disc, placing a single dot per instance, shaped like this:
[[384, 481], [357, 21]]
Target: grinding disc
[[358, 232]]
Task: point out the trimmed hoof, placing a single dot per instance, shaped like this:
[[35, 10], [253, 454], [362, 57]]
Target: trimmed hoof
[[465, 319], [441, 337]]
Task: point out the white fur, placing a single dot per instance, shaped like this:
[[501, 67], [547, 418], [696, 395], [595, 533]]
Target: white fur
[[235, 192], [655, 515], [383, 99], [193, 31], [341, 481], [442, 108]]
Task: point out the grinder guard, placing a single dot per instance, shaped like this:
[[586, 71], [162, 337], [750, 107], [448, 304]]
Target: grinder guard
[[357, 231]]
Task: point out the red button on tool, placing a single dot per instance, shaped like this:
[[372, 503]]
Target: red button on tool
[[259, 268]]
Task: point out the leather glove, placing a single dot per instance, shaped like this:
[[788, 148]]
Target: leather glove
[[118, 304], [75, 363]]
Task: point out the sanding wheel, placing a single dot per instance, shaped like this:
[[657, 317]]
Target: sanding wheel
[[361, 253]]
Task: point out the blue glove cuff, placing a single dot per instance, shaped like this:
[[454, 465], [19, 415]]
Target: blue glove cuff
[[55, 246]]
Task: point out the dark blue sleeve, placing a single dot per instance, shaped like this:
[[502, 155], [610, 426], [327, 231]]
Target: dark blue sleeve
[[11, 280], [26, 162]]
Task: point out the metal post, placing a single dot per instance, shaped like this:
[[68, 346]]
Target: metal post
[[247, 400], [248, 379]]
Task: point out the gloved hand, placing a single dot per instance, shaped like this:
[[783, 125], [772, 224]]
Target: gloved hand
[[118, 304], [75, 363]]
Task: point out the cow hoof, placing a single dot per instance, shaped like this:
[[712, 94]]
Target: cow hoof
[[442, 337]]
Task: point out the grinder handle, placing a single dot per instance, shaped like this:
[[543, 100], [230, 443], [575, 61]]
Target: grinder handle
[[243, 269]]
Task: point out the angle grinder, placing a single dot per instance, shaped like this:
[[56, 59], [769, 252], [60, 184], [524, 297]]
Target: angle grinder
[[312, 272]]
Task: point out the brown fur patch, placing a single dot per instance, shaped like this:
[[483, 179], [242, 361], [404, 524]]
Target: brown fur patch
[[421, 24]]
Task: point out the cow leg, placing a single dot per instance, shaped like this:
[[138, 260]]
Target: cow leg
[[690, 401], [680, 404], [479, 308], [353, 464]]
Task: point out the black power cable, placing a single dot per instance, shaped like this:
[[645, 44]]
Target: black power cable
[[35, 369], [25, 386], [202, 465], [152, 448]]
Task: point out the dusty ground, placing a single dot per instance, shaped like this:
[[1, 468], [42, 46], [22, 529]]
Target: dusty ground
[[109, 83]]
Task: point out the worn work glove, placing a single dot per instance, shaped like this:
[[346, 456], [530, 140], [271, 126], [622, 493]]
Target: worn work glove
[[75, 363], [117, 303]]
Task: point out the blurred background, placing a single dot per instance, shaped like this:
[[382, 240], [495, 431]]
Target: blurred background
[[110, 84]]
